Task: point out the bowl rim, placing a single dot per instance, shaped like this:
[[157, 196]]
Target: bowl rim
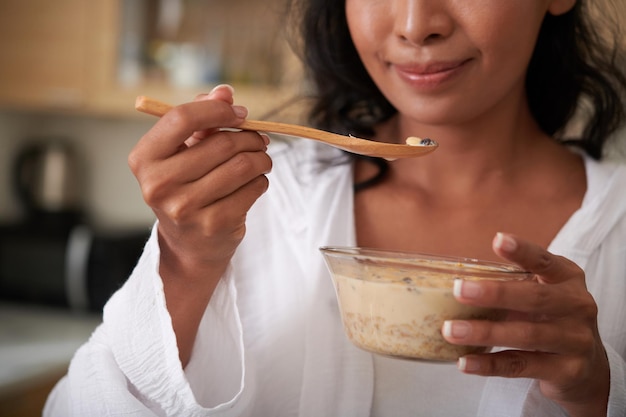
[[431, 262]]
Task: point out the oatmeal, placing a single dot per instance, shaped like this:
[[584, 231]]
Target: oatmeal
[[405, 319], [397, 306]]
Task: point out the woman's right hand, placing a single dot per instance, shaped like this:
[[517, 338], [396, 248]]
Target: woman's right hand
[[200, 182]]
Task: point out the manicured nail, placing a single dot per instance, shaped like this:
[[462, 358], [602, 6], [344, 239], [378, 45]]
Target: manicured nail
[[240, 111], [466, 289], [228, 86], [505, 242], [456, 329], [466, 364]]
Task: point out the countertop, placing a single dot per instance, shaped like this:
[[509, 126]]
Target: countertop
[[37, 343]]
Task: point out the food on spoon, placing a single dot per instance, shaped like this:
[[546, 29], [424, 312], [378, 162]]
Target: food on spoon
[[415, 141]]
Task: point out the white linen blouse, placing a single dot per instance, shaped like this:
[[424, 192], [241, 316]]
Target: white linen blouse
[[271, 342]]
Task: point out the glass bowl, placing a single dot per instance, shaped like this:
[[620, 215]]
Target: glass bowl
[[395, 303]]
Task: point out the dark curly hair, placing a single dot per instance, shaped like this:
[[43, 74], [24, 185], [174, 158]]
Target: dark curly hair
[[574, 66]]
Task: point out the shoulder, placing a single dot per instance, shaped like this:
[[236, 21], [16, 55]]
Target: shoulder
[[604, 178], [602, 215]]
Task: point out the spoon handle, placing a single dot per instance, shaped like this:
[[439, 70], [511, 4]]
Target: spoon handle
[[157, 108]]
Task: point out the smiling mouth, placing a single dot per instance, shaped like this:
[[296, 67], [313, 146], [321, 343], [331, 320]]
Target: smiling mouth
[[428, 76], [430, 69]]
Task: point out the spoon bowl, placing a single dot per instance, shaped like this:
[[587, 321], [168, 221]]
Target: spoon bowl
[[415, 146]]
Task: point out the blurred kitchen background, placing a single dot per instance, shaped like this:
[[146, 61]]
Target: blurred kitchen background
[[72, 219]]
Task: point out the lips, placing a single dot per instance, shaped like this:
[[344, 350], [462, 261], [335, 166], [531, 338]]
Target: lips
[[429, 68], [429, 75]]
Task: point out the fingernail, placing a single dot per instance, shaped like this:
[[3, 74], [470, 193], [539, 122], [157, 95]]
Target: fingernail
[[456, 329], [240, 111], [466, 364], [466, 289], [228, 86], [505, 242]]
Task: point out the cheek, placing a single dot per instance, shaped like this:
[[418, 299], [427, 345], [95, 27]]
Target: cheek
[[504, 61], [504, 47], [511, 41]]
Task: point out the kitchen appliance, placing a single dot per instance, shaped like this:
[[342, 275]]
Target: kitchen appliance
[[78, 270], [46, 180], [52, 256]]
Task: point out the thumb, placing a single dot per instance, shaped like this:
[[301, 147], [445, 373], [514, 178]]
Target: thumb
[[549, 268], [222, 92]]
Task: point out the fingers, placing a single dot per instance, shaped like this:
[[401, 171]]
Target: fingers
[[210, 185], [560, 336], [226, 179], [551, 323], [221, 223], [235, 172], [205, 156], [550, 268], [223, 92], [537, 300], [574, 382], [162, 156], [566, 294], [233, 208], [182, 122], [205, 173], [522, 364], [175, 127]]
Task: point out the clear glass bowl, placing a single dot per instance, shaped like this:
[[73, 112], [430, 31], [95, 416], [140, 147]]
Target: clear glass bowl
[[395, 303]]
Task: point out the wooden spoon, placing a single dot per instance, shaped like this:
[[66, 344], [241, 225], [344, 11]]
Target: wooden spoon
[[414, 147]]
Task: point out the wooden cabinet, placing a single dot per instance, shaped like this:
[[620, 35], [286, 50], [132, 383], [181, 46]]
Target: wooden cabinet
[[97, 56], [44, 51]]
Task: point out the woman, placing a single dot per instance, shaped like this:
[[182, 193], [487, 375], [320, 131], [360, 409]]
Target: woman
[[212, 323]]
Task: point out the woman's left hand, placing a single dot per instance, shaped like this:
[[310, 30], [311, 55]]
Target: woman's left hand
[[551, 325]]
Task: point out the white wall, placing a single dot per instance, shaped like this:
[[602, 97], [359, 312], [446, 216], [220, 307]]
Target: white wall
[[111, 195]]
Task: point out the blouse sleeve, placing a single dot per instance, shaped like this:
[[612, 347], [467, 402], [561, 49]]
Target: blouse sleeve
[[130, 365]]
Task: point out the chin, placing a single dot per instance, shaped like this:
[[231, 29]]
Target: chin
[[438, 111]]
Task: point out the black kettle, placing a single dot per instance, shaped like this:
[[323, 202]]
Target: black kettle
[[46, 180]]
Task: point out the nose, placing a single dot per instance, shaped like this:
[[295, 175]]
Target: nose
[[420, 22]]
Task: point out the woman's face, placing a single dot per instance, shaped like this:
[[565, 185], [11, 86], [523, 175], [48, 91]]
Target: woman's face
[[448, 61]]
